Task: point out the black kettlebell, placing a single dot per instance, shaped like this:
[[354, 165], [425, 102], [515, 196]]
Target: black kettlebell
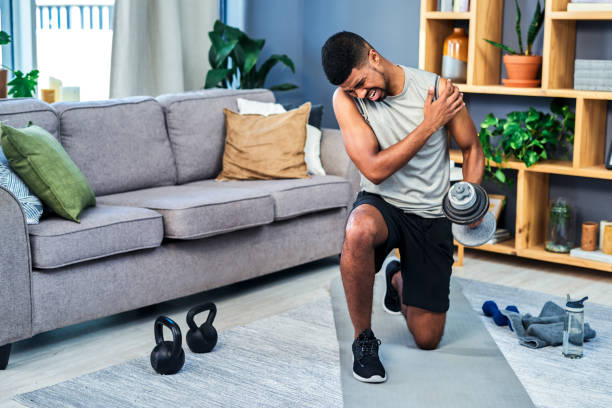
[[204, 338], [167, 357]]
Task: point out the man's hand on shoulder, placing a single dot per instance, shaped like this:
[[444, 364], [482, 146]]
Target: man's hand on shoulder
[[449, 103]]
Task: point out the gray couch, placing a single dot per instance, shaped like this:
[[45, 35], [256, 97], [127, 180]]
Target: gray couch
[[163, 228]]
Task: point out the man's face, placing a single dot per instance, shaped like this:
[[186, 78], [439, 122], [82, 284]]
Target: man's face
[[367, 81]]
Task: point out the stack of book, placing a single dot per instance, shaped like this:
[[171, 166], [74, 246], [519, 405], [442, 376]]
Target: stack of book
[[501, 235], [593, 75], [590, 5]]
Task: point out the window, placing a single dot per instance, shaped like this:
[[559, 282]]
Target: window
[[73, 43]]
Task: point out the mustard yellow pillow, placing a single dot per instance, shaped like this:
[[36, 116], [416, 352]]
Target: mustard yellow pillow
[[265, 147]]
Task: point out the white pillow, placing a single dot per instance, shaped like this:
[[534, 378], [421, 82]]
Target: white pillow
[[312, 149], [247, 107]]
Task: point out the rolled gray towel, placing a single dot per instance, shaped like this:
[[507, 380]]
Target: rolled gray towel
[[543, 330]]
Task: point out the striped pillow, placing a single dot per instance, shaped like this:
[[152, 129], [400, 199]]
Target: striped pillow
[[9, 180]]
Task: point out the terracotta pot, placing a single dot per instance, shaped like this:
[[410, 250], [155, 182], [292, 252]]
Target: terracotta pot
[[522, 67], [3, 81], [454, 56]]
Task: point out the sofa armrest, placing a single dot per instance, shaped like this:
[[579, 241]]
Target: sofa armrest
[[336, 161], [15, 271]]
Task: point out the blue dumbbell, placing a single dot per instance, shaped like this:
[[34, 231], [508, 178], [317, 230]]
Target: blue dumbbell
[[489, 308]]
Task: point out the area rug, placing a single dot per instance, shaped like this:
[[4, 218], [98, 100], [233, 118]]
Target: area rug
[[467, 370], [292, 360], [287, 360], [550, 379]]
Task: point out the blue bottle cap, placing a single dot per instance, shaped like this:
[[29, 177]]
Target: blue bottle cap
[[575, 304]]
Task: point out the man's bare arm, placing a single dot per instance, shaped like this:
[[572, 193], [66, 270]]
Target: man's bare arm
[[361, 143], [464, 132]]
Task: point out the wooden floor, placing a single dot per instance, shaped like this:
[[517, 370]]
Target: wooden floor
[[65, 353]]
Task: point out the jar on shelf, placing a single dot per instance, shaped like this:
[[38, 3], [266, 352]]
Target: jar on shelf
[[561, 220], [455, 56]]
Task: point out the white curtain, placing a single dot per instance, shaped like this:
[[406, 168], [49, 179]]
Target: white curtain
[[160, 46]]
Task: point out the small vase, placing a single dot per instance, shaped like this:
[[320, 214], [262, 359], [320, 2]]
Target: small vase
[[454, 56], [589, 236], [560, 227]]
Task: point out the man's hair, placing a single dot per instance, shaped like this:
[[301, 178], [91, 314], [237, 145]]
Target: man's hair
[[341, 53]]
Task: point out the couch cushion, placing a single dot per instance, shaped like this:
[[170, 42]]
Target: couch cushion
[[41, 161], [196, 127], [261, 147], [192, 212], [103, 231], [295, 197], [120, 144], [18, 112]]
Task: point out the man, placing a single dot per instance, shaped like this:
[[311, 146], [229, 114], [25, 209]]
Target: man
[[394, 123]]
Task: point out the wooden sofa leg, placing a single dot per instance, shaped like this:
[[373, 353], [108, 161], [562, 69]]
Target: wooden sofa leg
[[5, 352]]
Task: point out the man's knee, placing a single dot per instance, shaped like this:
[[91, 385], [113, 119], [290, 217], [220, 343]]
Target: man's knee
[[363, 230], [427, 341]]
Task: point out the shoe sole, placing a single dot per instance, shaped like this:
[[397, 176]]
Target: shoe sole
[[383, 269], [373, 379]]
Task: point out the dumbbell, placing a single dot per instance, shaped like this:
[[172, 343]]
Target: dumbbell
[[490, 309], [464, 204], [204, 338], [167, 357]]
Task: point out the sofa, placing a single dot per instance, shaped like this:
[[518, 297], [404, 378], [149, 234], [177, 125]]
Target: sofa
[[162, 228]]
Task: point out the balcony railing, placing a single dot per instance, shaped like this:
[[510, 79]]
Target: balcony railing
[[74, 16]]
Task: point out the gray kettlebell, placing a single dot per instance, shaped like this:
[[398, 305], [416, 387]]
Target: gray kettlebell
[[204, 338]]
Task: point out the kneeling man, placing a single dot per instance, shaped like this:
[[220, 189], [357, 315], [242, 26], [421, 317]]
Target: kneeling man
[[394, 121]]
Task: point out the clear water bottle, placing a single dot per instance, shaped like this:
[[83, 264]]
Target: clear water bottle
[[573, 328]]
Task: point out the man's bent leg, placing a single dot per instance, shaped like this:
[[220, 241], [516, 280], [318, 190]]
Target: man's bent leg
[[426, 327], [365, 230]]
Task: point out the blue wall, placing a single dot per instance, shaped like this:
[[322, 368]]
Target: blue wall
[[300, 27]]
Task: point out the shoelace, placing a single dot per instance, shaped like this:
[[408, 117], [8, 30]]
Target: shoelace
[[369, 347]]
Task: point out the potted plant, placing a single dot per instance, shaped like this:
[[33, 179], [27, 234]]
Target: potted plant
[[21, 86], [523, 66], [528, 136], [233, 58]]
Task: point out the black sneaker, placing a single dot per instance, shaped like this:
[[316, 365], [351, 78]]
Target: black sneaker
[[366, 364], [391, 300]]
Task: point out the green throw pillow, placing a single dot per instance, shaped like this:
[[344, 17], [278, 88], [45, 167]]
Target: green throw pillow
[[43, 164]]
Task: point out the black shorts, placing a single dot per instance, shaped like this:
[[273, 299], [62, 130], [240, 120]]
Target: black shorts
[[426, 252]]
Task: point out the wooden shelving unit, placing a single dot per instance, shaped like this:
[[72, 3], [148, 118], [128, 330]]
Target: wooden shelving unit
[[485, 21]]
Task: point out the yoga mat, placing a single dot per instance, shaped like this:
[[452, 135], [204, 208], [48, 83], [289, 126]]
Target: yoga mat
[[466, 370]]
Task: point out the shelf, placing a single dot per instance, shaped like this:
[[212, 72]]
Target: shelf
[[562, 167], [447, 15], [538, 252], [551, 93], [505, 247], [581, 15]]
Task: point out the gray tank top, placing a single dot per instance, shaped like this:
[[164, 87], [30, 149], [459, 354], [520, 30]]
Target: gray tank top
[[418, 187]]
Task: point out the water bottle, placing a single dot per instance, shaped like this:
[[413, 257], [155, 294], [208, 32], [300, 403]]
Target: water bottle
[[573, 328]]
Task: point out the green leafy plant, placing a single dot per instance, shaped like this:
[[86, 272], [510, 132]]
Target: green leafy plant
[[528, 136], [233, 57], [21, 86], [534, 28]]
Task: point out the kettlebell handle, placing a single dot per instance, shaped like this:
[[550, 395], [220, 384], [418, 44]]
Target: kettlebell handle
[[177, 339], [198, 309]]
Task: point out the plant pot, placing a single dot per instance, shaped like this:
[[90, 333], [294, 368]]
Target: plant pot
[[3, 83], [522, 70]]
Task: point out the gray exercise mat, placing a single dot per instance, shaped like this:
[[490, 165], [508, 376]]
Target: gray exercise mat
[[467, 369]]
